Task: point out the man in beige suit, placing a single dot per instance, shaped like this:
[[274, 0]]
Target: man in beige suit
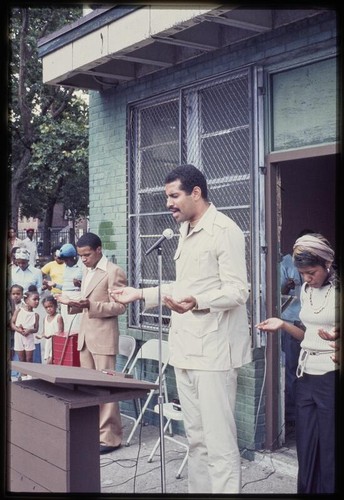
[[209, 333], [98, 336]]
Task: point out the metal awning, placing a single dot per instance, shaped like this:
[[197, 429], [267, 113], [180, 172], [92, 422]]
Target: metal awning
[[120, 43]]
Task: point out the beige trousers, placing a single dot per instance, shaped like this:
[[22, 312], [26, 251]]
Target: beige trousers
[[207, 399], [110, 424]]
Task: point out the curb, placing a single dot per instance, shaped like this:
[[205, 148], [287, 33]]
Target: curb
[[283, 461]]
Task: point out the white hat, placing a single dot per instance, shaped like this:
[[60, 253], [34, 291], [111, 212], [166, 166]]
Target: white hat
[[22, 253]]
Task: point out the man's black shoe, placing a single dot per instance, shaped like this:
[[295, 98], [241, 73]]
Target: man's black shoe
[[103, 449]]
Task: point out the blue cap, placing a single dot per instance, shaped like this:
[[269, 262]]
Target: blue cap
[[67, 250]]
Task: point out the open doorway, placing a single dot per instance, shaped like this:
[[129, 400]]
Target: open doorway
[[306, 191]]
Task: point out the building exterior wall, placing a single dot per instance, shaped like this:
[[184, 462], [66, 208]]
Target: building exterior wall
[[108, 149]]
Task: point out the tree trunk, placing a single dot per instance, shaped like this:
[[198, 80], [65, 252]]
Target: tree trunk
[[48, 218], [20, 170], [17, 179], [47, 224]]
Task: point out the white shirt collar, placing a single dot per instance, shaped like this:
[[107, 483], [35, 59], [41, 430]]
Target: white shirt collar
[[101, 264]]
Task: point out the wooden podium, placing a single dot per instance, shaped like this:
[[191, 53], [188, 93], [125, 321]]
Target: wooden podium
[[53, 426]]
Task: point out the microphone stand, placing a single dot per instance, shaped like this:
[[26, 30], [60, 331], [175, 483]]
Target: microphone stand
[[161, 393]]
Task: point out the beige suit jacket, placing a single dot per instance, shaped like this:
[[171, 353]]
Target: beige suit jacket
[[210, 265], [99, 323]]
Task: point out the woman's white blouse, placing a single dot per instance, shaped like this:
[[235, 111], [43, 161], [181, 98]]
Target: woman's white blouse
[[319, 310]]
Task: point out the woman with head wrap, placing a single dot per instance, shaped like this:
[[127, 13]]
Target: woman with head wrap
[[317, 370], [23, 273]]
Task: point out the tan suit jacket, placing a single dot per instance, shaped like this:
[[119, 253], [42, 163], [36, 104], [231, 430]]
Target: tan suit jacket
[[99, 323], [210, 265]]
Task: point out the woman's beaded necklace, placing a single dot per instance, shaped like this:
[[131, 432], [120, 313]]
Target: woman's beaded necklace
[[324, 304]]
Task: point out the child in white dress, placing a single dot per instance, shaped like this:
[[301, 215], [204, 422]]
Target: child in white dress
[[25, 322], [14, 301], [53, 325]]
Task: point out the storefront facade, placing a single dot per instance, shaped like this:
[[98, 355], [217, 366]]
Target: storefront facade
[[248, 96]]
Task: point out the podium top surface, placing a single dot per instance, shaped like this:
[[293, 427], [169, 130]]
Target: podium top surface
[[58, 374]]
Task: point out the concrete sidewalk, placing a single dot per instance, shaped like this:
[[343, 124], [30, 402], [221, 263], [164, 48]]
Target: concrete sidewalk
[[127, 471]]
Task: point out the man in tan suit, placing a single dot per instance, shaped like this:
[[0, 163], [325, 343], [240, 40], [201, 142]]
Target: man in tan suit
[[98, 336], [209, 337]]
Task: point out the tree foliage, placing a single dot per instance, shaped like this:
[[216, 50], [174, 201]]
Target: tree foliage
[[58, 166], [47, 124]]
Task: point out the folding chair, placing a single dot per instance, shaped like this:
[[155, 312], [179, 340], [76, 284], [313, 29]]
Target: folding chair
[[127, 348], [149, 351], [171, 411]]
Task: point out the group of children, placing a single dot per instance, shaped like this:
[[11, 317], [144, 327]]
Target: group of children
[[24, 323], [26, 330]]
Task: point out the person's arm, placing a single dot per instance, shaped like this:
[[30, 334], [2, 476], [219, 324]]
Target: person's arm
[[36, 325], [287, 276], [100, 309], [180, 306], [232, 290], [60, 324], [43, 333], [125, 295], [35, 251], [274, 324], [10, 311], [53, 284], [34, 329], [46, 270], [14, 327], [109, 308], [149, 295], [77, 282], [39, 280], [336, 357], [334, 337], [74, 306], [288, 286]]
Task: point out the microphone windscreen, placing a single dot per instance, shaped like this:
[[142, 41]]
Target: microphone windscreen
[[168, 233]]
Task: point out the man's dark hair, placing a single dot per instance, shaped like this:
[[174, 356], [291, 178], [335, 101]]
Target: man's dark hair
[[89, 240], [189, 177]]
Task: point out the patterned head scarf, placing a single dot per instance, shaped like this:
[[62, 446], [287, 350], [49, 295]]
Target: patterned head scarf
[[22, 254], [314, 245]]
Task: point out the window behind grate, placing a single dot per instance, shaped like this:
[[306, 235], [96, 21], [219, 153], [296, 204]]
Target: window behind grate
[[209, 125]]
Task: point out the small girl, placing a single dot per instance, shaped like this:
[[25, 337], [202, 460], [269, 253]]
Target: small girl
[[16, 296], [53, 324], [25, 323], [14, 300]]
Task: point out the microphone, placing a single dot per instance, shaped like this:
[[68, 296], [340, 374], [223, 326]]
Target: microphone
[[167, 234]]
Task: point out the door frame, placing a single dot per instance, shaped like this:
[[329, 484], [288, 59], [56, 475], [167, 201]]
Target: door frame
[[273, 160]]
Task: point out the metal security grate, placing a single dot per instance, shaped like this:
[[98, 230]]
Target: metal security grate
[[209, 125]]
